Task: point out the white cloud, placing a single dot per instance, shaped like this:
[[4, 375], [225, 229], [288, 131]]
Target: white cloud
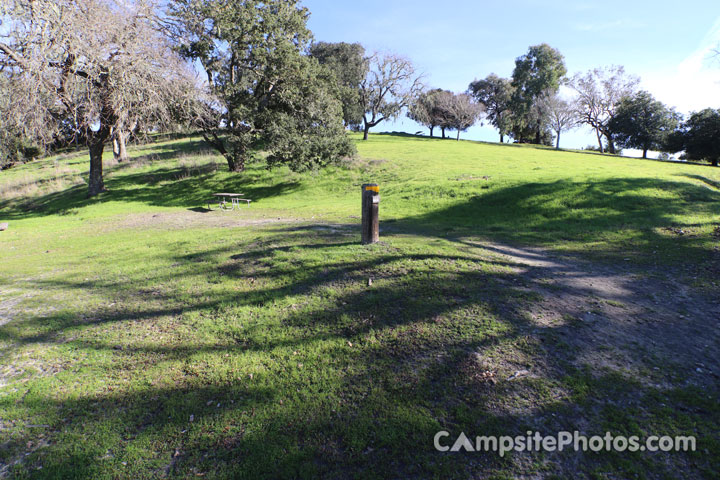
[[694, 83]]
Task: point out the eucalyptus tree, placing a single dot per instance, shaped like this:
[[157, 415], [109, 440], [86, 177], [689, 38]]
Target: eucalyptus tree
[[389, 87], [539, 71], [89, 65], [265, 92]]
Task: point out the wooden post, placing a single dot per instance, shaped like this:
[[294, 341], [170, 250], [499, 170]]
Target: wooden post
[[370, 213]]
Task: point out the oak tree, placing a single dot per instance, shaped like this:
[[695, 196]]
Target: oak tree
[[86, 67], [424, 109], [389, 87], [348, 63], [458, 111], [698, 137], [495, 94], [266, 93], [599, 93], [642, 122]]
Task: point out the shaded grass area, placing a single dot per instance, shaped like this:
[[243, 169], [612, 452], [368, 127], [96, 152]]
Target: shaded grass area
[[649, 220], [137, 350], [270, 356], [608, 206]]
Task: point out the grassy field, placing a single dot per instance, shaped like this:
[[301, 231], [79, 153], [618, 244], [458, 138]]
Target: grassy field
[[143, 336]]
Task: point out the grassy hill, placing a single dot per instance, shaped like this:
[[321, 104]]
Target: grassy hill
[[142, 336]]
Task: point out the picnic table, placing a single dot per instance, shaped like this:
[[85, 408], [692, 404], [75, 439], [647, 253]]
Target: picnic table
[[234, 201]]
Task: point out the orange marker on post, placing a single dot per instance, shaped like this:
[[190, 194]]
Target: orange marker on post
[[370, 213]]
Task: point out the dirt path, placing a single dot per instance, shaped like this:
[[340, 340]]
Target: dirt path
[[192, 219], [636, 321], [9, 299], [199, 218]]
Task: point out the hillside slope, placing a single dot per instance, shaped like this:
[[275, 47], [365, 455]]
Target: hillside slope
[[519, 194], [515, 289]]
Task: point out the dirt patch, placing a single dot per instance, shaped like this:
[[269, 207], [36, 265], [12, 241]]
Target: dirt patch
[[8, 309], [620, 317], [200, 218]]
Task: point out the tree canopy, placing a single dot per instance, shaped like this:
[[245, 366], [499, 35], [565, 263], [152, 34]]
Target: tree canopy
[[642, 122], [266, 92], [389, 87], [348, 63], [495, 94], [83, 67]]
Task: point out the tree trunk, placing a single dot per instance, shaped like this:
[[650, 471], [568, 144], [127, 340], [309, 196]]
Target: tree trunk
[[610, 143], [458, 135], [502, 138], [645, 150], [132, 131], [365, 131], [96, 144], [443, 132], [537, 134], [96, 184], [237, 166], [715, 162], [236, 162], [122, 150], [557, 142], [118, 143], [431, 131], [599, 139]]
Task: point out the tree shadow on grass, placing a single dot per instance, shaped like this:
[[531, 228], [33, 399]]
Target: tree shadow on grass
[[175, 187], [164, 187], [296, 434], [636, 217], [307, 370], [379, 368], [187, 184], [707, 181]]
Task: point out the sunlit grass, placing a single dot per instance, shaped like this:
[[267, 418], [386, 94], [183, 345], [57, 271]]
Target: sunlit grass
[[142, 337]]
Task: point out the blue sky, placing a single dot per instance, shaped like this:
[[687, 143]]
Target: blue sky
[[666, 43]]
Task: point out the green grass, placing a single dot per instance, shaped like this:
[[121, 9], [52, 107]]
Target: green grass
[[147, 338], [565, 200]]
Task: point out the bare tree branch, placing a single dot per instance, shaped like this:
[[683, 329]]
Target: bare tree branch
[[88, 69], [599, 93], [389, 87]]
